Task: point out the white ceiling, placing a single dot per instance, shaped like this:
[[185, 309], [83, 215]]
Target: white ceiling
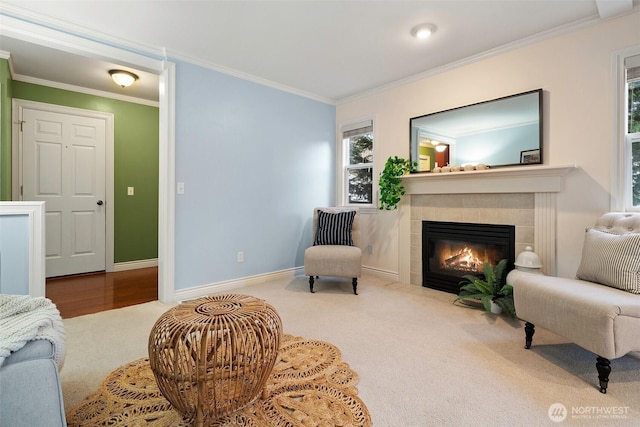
[[329, 50]]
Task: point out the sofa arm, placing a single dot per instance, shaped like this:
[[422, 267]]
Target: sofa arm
[[30, 391]]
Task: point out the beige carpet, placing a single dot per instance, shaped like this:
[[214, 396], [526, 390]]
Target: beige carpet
[[421, 360]]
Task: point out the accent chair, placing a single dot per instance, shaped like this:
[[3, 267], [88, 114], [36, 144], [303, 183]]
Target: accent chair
[[336, 246]]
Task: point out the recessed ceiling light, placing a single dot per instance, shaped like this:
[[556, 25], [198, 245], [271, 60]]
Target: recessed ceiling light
[[423, 31]]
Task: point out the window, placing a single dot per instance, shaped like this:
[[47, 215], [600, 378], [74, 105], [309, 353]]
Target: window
[[632, 132], [357, 164]]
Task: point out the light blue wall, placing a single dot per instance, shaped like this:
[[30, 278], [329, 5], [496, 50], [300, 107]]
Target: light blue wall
[[491, 147], [255, 162], [14, 254]]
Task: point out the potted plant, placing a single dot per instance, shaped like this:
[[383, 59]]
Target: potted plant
[[492, 291], [391, 188]]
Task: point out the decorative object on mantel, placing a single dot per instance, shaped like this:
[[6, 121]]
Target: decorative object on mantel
[[391, 188], [467, 168], [527, 262], [492, 291], [309, 385]]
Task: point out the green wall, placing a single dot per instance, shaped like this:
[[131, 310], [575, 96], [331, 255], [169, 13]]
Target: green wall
[[5, 130], [136, 136]]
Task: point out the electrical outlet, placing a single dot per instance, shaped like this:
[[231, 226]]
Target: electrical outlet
[[370, 249], [240, 256], [180, 188], [129, 191]]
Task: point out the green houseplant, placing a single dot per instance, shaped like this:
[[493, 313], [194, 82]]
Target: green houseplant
[[391, 188], [493, 288]]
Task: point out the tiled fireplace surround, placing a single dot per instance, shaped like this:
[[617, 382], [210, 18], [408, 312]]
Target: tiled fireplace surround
[[521, 196], [509, 208]]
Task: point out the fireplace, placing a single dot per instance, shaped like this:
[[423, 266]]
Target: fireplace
[[451, 250]]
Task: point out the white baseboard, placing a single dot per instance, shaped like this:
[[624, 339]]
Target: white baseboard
[[134, 265], [383, 274], [208, 289], [200, 291]]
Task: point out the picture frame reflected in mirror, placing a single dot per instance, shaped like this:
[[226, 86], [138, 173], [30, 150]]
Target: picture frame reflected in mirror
[[528, 157]]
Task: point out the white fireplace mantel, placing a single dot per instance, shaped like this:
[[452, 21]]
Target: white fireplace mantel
[[543, 181], [517, 179]]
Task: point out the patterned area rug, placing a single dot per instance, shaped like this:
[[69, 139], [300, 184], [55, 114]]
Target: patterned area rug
[[309, 386]]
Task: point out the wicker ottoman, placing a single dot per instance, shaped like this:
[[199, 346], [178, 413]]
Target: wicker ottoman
[[213, 356]]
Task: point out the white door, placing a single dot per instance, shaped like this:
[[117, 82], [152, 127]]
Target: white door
[[63, 164]]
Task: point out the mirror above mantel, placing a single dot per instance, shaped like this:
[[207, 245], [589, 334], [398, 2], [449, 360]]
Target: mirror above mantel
[[500, 132]]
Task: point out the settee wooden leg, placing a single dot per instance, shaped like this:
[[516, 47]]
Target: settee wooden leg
[[604, 369], [354, 282], [311, 284], [529, 330]]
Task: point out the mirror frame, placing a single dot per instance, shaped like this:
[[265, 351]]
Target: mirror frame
[[524, 160]]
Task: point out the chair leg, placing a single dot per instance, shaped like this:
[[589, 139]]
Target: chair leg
[[604, 369], [529, 330], [311, 284], [354, 282]]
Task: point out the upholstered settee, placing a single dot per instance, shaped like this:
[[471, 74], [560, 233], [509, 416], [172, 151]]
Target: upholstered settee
[[599, 310]]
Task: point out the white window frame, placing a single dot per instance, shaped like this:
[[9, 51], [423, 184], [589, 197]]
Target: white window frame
[[342, 189], [621, 196]]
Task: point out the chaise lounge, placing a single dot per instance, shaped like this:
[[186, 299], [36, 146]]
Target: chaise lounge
[[600, 309]]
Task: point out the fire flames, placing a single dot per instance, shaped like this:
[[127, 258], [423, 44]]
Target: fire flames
[[466, 260]]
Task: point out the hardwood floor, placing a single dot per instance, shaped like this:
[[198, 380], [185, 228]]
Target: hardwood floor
[[94, 292]]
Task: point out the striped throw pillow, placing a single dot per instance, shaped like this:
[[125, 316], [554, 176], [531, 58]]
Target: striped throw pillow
[[611, 259], [334, 228]]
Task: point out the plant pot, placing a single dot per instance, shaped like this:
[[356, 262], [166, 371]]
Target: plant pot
[[495, 308]]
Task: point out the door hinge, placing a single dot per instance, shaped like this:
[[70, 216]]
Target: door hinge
[[21, 191]]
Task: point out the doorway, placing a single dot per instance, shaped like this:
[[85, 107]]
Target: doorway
[[43, 35], [65, 159]]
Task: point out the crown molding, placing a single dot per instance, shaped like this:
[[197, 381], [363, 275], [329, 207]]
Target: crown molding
[[569, 28], [34, 27], [77, 32], [249, 77], [7, 55], [87, 91]]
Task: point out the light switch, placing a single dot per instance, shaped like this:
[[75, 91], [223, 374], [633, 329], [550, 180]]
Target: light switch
[[129, 191], [180, 188]]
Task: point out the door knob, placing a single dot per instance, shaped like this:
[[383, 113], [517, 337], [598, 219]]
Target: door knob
[[100, 202]]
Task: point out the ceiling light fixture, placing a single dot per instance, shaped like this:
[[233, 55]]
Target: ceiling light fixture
[[423, 31], [123, 78], [441, 148]]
